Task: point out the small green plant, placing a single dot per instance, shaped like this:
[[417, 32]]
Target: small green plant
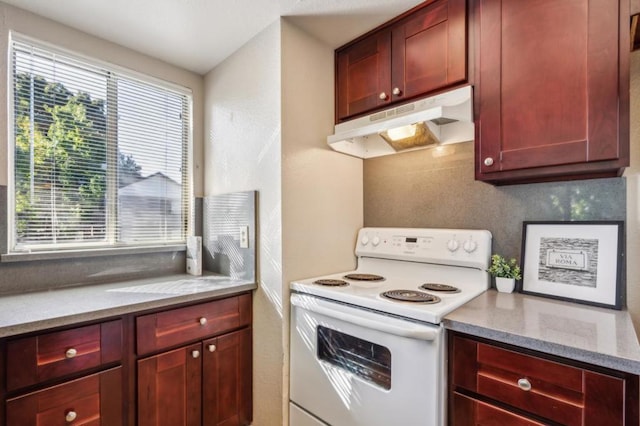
[[500, 267]]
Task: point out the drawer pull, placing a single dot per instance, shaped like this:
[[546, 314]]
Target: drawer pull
[[195, 354], [70, 416], [203, 321], [212, 348], [524, 384], [71, 353]]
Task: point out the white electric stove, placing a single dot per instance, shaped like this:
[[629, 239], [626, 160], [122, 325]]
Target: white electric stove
[[367, 347]]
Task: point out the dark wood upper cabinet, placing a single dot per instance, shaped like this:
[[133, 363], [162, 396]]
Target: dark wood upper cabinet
[[421, 51], [552, 89]]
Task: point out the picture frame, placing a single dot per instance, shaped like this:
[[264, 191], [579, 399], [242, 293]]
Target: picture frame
[[579, 261]]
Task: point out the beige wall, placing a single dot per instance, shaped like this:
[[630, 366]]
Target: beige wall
[[321, 189], [243, 152], [268, 110], [26, 23], [633, 198]]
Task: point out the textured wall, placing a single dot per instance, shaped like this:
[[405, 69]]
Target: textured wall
[[242, 152], [436, 188], [633, 197]]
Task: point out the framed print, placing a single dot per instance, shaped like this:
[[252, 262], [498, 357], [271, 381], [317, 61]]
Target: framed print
[[576, 261]]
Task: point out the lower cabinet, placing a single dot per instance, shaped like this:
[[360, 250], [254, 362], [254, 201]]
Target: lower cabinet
[[205, 380], [497, 384], [186, 365], [91, 400], [207, 383]]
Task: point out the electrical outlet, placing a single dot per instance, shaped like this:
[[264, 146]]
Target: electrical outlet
[[244, 237]]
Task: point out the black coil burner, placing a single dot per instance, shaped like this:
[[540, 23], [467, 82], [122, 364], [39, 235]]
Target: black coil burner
[[412, 296], [331, 283], [364, 277], [443, 288]]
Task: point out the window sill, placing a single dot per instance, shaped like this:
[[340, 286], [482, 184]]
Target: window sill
[[83, 253]]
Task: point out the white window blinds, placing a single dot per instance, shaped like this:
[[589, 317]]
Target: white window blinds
[[99, 155]]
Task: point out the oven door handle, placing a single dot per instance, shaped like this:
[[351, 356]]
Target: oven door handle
[[385, 324]]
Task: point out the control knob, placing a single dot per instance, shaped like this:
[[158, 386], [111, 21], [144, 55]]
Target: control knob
[[375, 241], [364, 240], [470, 246], [453, 245]]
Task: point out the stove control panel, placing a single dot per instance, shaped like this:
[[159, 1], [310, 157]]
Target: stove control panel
[[460, 247]]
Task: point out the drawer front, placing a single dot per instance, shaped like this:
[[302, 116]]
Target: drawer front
[[36, 359], [561, 393], [182, 325], [471, 412], [555, 389], [92, 400]]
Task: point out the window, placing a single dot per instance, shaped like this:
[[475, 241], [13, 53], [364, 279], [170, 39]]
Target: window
[[99, 154]]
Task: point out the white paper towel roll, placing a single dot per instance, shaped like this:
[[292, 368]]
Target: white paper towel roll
[[194, 255]]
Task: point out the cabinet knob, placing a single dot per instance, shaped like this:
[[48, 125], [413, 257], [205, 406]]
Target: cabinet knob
[[71, 353], [524, 384], [70, 416], [212, 348], [383, 96], [203, 321], [396, 91], [195, 354], [488, 161]]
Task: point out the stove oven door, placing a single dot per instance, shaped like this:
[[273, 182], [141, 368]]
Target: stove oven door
[[352, 366]]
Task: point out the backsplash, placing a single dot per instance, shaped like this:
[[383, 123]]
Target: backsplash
[[436, 188], [223, 217], [20, 277]]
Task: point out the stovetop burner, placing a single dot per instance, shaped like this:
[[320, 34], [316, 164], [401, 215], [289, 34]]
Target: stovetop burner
[[364, 277], [443, 288], [331, 283], [412, 296]]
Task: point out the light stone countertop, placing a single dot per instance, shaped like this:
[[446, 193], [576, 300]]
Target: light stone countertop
[[24, 313], [598, 336]]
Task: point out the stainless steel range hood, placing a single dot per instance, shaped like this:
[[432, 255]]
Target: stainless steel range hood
[[442, 119]]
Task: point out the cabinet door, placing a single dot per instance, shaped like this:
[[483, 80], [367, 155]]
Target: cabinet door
[[92, 400], [429, 49], [552, 89], [227, 379], [169, 388], [363, 75]]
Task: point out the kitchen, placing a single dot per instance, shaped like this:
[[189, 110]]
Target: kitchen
[[282, 159]]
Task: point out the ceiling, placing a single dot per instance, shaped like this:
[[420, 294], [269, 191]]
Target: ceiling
[[199, 34]]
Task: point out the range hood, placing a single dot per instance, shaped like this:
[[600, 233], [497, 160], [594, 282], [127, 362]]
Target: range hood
[[442, 119]]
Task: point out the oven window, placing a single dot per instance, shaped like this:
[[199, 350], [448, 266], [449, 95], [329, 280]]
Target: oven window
[[369, 361]]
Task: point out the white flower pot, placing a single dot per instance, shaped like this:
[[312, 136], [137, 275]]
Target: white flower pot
[[505, 285]]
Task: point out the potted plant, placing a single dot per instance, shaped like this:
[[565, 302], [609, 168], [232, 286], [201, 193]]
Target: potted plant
[[505, 271]]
